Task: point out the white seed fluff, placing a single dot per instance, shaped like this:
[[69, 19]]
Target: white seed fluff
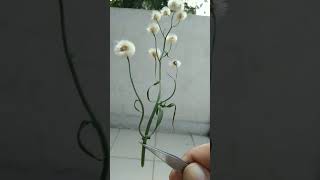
[[124, 48], [156, 15], [176, 5], [153, 53], [181, 15], [175, 63], [165, 11], [172, 38], [153, 28]]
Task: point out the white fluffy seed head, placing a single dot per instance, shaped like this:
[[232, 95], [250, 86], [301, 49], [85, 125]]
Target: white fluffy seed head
[[153, 53], [156, 15], [124, 48], [175, 64], [181, 15], [172, 38], [176, 5], [165, 11], [153, 28]]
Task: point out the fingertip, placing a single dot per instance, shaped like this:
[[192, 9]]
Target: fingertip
[[175, 175], [195, 171]]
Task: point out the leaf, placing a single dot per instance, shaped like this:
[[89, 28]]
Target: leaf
[[174, 115], [80, 143], [170, 105], [159, 119], [148, 92], [135, 106], [174, 112], [174, 89]]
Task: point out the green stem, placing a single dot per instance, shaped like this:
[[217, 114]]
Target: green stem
[[146, 135], [139, 99], [162, 32]]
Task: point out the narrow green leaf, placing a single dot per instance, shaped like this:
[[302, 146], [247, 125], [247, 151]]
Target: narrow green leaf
[[174, 115], [135, 106], [170, 105], [174, 89], [148, 92], [159, 119]]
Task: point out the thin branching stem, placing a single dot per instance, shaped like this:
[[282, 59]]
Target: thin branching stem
[[159, 92], [162, 32], [146, 134], [137, 95]]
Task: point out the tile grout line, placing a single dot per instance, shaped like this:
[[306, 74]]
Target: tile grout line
[[194, 143], [154, 161], [114, 140], [130, 158]]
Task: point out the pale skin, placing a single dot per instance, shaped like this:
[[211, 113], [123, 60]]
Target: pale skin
[[199, 167]]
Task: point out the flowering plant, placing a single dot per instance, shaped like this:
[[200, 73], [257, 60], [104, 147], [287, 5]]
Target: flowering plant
[[126, 49]]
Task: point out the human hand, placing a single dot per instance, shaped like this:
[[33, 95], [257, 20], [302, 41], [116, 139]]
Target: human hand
[[199, 167]]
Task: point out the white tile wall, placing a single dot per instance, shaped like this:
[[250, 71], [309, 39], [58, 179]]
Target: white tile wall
[[198, 140]]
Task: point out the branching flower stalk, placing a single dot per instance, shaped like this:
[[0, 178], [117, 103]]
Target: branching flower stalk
[[93, 120], [126, 49]]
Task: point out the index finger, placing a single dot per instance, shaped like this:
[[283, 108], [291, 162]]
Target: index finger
[[199, 154]]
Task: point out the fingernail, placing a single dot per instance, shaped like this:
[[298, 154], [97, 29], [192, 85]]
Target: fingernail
[[194, 171]]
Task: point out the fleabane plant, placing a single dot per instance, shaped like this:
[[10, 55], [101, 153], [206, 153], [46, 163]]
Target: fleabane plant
[[174, 13]]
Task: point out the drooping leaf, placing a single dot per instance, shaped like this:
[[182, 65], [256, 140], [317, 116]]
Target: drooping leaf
[[135, 106], [174, 89], [159, 118], [157, 110], [174, 112], [148, 92], [174, 115], [170, 105]]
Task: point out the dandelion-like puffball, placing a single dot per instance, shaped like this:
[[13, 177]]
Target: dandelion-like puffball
[[153, 28], [181, 15], [125, 48], [165, 11], [156, 16], [172, 38], [175, 63], [176, 5], [153, 53]]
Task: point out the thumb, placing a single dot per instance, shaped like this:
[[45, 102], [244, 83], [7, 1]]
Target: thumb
[[195, 172]]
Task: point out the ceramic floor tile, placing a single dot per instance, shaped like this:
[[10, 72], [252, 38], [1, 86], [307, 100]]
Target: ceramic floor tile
[[198, 140], [176, 144], [127, 145], [130, 169], [113, 134], [161, 171]]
